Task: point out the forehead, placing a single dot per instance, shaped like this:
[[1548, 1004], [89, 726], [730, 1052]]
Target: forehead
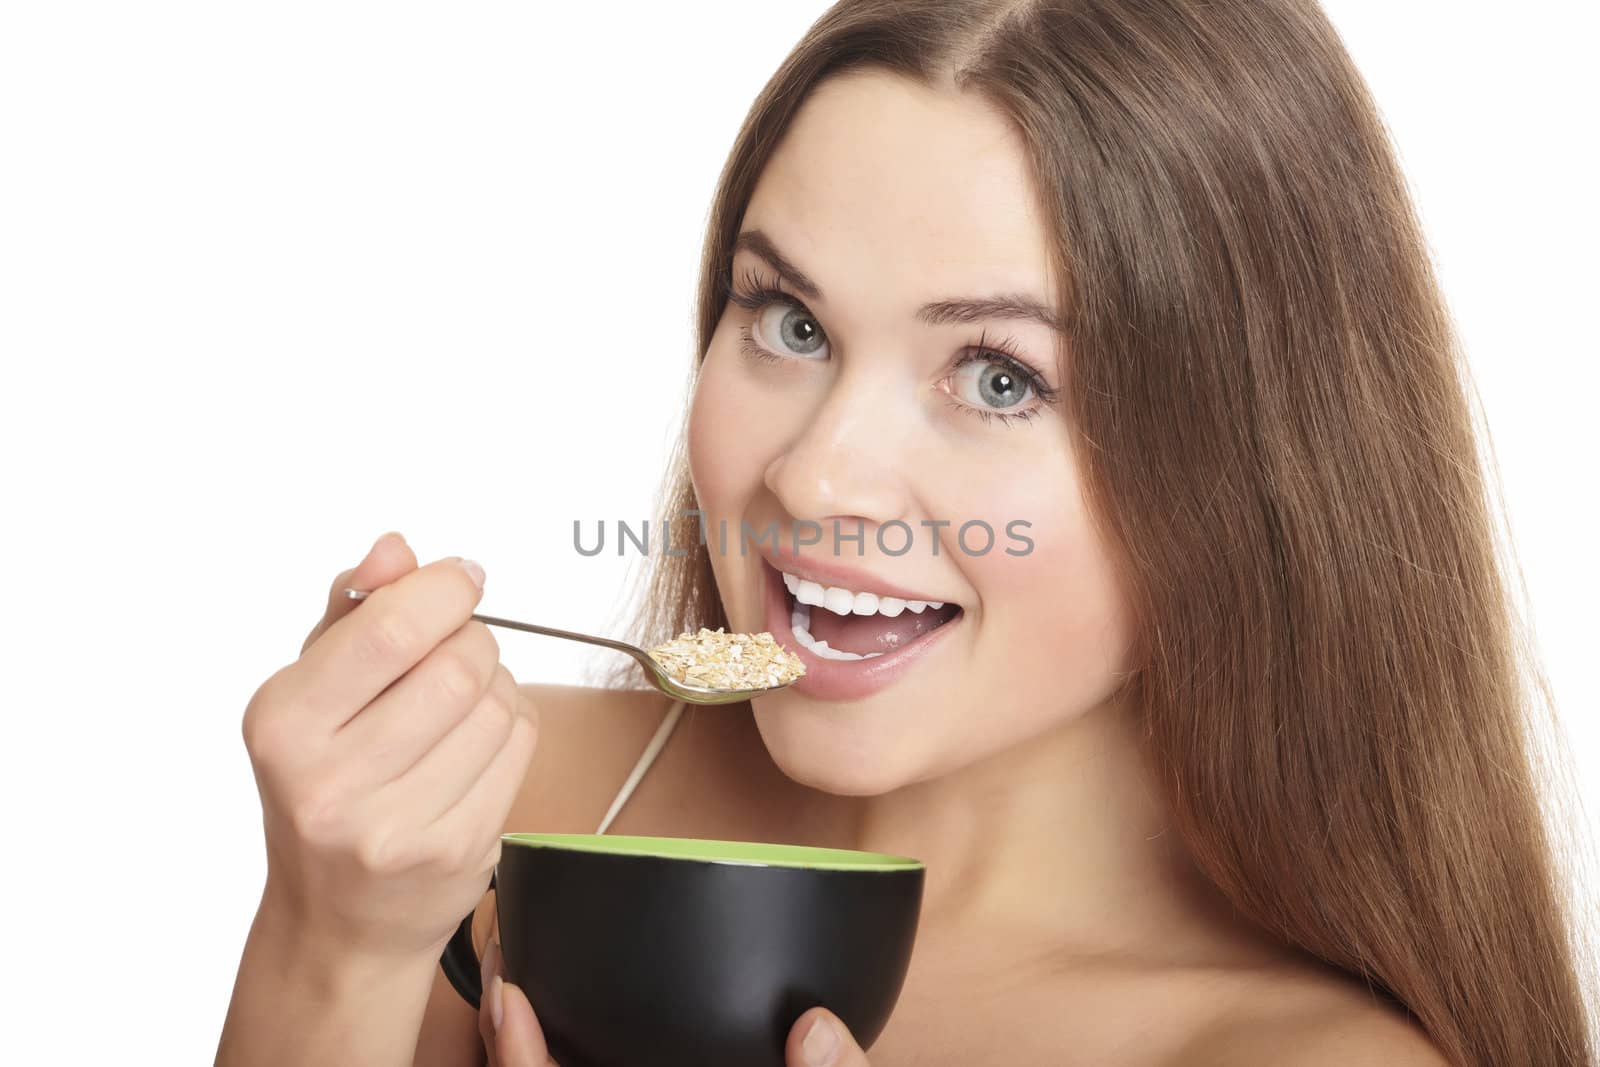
[[882, 182]]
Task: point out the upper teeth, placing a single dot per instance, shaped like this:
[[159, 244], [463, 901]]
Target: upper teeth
[[844, 602]]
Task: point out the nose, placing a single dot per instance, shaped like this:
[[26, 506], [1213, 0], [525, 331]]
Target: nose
[[843, 464]]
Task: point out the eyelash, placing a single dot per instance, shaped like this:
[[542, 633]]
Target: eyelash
[[759, 291]]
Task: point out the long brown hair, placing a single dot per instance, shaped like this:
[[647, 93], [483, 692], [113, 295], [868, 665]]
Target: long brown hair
[[1278, 438]]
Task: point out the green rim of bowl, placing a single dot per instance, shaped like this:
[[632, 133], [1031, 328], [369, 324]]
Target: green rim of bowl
[[742, 853]]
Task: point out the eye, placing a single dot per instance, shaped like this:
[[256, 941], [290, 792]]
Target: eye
[[790, 330], [993, 384]]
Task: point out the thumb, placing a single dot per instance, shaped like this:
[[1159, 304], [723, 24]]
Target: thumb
[[388, 559], [518, 1037], [819, 1039]]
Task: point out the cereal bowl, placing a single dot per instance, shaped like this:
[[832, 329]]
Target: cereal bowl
[[669, 951]]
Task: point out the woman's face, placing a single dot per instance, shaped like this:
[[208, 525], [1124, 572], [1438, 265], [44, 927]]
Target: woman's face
[[888, 362]]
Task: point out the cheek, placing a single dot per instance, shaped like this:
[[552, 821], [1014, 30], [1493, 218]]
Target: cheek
[[728, 442], [1059, 610]]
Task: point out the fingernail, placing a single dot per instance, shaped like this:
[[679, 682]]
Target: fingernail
[[821, 1043], [497, 1000], [474, 571]]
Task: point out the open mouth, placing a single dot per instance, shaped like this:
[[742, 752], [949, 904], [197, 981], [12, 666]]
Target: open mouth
[[851, 640], [842, 624]]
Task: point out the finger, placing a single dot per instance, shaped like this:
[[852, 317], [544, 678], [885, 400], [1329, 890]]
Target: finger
[[406, 720], [478, 819], [449, 770], [387, 559], [386, 635], [488, 971], [506, 1020], [519, 1039], [819, 1039]]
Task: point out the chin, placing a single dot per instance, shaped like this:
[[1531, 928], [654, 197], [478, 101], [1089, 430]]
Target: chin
[[815, 747]]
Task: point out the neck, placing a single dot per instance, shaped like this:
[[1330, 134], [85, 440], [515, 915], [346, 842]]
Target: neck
[[1061, 840]]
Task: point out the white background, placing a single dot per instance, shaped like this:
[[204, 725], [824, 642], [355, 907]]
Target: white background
[[275, 279]]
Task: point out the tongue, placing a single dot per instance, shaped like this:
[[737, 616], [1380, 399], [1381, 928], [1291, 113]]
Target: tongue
[[875, 633]]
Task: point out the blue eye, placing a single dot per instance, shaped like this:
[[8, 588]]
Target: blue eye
[[990, 384], [989, 379], [789, 330]]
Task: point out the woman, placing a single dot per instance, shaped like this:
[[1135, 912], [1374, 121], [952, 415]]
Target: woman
[[1226, 765]]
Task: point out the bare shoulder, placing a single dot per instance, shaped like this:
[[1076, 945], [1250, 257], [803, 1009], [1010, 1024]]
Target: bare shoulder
[[1375, 1037], [588, 740], [587, 711], [1332, 1027]]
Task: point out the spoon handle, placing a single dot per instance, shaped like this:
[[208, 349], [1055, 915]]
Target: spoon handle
[[548, 631], [551, 631]]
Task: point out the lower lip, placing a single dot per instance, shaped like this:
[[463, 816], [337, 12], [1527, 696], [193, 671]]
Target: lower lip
[[847, 679]]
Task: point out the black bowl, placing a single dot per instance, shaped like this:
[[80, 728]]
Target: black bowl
[[668, 951]]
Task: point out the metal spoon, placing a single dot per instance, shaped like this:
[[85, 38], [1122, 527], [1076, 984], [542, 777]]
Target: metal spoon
[[654, 672]]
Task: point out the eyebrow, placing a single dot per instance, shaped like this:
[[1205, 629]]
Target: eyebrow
[[935, 313]]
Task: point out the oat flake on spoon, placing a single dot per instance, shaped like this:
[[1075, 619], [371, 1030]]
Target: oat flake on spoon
[[728, 660]]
